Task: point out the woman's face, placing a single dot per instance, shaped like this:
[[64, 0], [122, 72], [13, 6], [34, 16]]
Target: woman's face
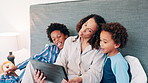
[[88, 29], [58, 38]]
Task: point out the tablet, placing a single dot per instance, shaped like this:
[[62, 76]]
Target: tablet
[[54, 73]]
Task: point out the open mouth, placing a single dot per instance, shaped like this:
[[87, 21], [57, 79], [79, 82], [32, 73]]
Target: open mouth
[[102, 49], [59, 44]]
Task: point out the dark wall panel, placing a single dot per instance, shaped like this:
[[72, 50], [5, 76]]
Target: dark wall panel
[[133, 14]]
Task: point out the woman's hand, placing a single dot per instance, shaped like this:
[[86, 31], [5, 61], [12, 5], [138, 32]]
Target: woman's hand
[[64, 81], [39, 77], [73, 80]]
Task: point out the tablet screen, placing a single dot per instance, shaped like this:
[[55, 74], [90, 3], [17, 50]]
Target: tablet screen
[[53, 73]]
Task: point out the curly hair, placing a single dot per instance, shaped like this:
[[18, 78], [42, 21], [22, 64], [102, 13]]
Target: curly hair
[[98, 19], [56, 26], [118, 32]]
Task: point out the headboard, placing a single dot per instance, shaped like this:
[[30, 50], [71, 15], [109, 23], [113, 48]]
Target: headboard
[[133, 14]]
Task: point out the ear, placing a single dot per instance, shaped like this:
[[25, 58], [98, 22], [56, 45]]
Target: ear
[[66, 36], [116, 45]]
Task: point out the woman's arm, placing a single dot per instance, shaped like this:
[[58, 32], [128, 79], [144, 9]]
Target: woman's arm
[[62, 58], [94, 74]]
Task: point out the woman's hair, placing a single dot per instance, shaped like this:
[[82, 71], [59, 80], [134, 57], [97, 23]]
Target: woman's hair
[[56, 26], [98, 19], [118, 32]]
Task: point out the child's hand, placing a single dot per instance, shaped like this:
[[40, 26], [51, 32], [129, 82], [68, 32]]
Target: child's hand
[[39, 77], [11, 70]]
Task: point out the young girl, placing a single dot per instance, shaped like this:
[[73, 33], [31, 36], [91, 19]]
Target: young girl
[[116, 69], [80, 58]]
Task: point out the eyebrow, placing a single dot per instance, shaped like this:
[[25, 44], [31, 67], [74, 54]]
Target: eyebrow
[[105, 39]]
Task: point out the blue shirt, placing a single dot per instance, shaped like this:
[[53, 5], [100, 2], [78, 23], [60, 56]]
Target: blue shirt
[[49, 55], [116, 70]]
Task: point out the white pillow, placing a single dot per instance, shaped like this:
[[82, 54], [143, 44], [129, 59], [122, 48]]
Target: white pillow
[[137, 71]]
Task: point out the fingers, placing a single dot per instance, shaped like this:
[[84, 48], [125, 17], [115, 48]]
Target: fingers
[[43, 79], [38, 73], [70, 81], [64, 81], [75, 80], [39, 76], [10, 71], [35, 76]]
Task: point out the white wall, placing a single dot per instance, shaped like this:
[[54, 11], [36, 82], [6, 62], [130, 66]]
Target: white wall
[[15, 17]]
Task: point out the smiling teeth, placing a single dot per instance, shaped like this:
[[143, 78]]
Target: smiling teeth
[[59, 43]]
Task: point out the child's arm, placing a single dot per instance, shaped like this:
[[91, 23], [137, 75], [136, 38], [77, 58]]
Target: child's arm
[[36, 56], [23, 64], [121, 72]]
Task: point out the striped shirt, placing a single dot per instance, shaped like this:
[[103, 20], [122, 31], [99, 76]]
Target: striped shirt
[[49, 55]]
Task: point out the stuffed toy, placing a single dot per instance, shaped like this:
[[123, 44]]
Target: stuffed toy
[[6, 66]]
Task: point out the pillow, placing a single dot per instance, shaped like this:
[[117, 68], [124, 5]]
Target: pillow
[[137, 71]]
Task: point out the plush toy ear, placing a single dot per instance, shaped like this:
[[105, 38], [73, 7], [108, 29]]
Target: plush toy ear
[[7, 65]]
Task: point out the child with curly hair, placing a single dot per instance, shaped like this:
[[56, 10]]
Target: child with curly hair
[[116, 68], [57, 33]]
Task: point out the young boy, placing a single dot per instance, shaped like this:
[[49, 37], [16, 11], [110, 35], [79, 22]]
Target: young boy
[[116, 69], [57, 33]]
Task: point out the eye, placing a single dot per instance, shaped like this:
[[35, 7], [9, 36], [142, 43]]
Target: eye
[[53, 39], [89, 30], [105, 42], [58, 36]]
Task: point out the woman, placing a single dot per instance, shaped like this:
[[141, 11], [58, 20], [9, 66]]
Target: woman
[[80, 56]]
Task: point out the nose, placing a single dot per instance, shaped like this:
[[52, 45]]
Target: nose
[[81, 32], [57, 39], [100, 44], [83, 29]]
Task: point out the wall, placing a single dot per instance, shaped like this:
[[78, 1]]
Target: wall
[[15, 17], [131, 14]]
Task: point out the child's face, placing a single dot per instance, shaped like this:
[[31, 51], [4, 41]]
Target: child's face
[[58, 38], [107, 43], [88, 29]]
